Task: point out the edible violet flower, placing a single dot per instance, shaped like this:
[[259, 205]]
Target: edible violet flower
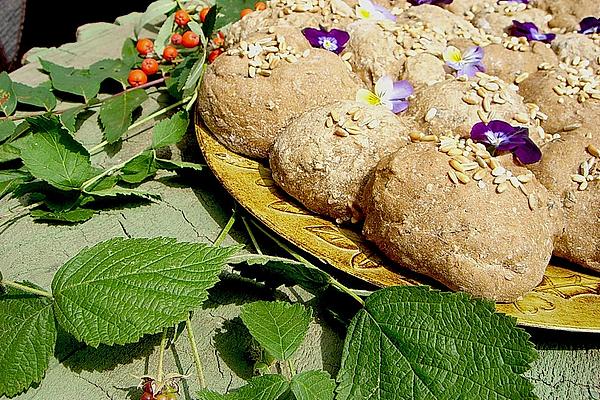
[[530, 31], [388, 93], [366, 9], [434, 2], [465, 64], [334, 40], [589, 25], [513, 1], [503, 137]]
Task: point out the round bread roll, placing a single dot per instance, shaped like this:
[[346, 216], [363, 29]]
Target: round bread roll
[[496, 18], [467, 236], [424, 69], [564, 172], [325, 166], [509, 64], [567, 13], [455, 106], [246, 113]]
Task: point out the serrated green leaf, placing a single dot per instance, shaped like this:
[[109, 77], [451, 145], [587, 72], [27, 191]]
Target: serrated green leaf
[[195, 75], [140, 168], [208, 26], [210, 395], [129, 54], [9, 152], [27, 338], [175, 81], [71, 216], [164, 34], [154, 11], [229, 11], [11, 179], [69, 117], [122, 289], [51, 154], [70, 80], [173, 165], [116, 113], [40, 96], [8, 99], [118, 191], [266, 387], [313, 385], [7, 128], [170, 130], [279, 327], [416, 343], [292, 272], [113, 69]]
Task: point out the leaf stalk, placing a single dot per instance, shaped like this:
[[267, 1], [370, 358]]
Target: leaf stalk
[[225, 230], [197, 361], [27, 289]]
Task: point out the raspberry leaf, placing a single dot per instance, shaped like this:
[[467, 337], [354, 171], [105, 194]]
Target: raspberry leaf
[[139, 168], [279, 327], [8, 99], [70, 216], [164, 34], [7, 128], [122, 289], [11, 179], [170, 131], [70, 80], [111, 69], [154, 11], [174, 165], [116, 113], [69, 118], [51, 154], [27, 338], [39, 96], [313, 385], [413, 342], [266, 387]]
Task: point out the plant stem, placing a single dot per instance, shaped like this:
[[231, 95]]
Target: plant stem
[[161, 355], [197, 361], [303, 260], [225, 230], [142, 121], [252, 237], [26, 288], [107, 172], [144, 86], [291, 367]]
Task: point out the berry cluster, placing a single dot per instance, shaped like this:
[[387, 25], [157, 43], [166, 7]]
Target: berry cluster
[[153, 392]]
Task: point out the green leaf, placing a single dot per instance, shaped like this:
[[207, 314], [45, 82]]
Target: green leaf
[[71, 216], [118, 191], [27, 338], [113, 69], [266, 387], [69, 117], [8, 99], [229, 11], [206, 394], [40, 96], [9, 152], [279, 327], [413, 342], [170, 130], [173, 165], [11, 179], [140, 168], [129, 54], [178, 76], [164, 34], [292, 272], [313, 385], [122, 289], [115, 113], [154, 11], [191, 82], [208, 26], [7, 128], [70, 80], [51, 154]]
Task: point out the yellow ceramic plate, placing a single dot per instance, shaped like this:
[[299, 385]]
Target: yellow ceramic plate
[[567, 299]]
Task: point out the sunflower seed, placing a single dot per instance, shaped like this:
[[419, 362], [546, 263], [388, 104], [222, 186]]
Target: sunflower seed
[[457, 166], [593, 150], [583, 185], [479, 175], [533, 201], [335, 115], [453, 177], [463, 178], [521, 77], [430, 114], [416, 136], [501, 188], [373, 124], [522, 118], [429, 138], [329, 122], [525, 178], [487, 104], [470, 100], [498, 170], [340, 132], [500, 179], [578, 178]]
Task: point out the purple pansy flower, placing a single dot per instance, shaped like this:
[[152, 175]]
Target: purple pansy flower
[[530, 31], [334, 40], [366, 9], [419, 2], [468, 63], [589, 25], [390, 94], [514, 1], [503, 137]]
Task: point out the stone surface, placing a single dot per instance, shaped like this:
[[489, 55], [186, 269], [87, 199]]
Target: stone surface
[[194, 208]]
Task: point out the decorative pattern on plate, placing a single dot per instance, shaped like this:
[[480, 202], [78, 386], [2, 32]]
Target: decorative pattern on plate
[[566, 299]]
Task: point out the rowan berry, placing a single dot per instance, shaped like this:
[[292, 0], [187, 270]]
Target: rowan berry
[[214, 54], [144, 46], [150, 66], [203, 13], [169, 53], [147, 396], [137, 77], [190, 39], [219, 40], [176, 38], [260, 5], [182, 17], [245, 12]]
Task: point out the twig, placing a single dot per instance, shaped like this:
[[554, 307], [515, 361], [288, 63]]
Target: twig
[[197, 361], [161, 356], [252, 237], [26, 288]]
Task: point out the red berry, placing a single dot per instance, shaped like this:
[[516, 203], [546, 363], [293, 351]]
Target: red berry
[[259, 6], [169, 53], [144, 46], [147, 396], [190, 39], [203, 13], [150, 66], [219, 40], [182, 17], [214, 54], [176, 38], [161, 397], [245, 12], [137, 77], [148, 386]]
